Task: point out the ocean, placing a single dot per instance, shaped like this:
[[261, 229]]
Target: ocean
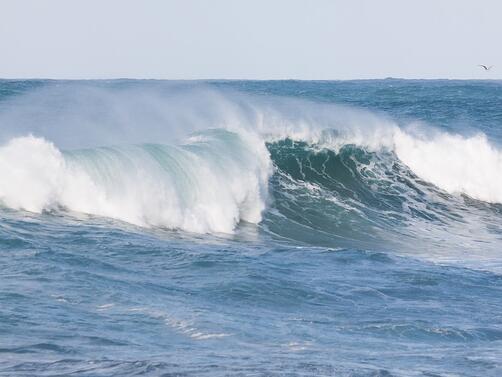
[[250, 228]]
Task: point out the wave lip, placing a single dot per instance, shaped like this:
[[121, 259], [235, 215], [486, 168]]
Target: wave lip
[[207, 185]]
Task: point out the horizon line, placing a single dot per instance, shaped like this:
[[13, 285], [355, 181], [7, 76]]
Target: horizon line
[[118, 78]]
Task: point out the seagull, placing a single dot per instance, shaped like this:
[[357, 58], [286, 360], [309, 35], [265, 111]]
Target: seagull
[[485, 67]]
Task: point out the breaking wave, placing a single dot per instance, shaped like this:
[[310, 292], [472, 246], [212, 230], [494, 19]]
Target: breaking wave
[[340, 171]]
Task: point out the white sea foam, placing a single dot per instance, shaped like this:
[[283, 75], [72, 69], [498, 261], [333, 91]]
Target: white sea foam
[[205, 186], [456, 164]]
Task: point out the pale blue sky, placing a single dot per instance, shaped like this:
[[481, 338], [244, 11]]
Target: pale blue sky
[[252, 39]]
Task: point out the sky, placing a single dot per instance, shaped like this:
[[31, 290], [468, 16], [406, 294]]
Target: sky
[[250, 39]]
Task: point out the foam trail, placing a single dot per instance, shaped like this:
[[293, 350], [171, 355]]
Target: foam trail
[[207, 185]]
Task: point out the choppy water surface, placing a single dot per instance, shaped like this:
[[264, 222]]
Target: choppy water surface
[[251, 228]]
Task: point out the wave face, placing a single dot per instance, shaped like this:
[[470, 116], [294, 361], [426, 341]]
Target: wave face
[[230, 228], [353, 197]]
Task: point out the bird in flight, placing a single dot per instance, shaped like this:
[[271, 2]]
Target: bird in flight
[[486, 68]]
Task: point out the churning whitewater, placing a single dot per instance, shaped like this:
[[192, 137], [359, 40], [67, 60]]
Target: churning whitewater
[[207, 185], [355, 215]]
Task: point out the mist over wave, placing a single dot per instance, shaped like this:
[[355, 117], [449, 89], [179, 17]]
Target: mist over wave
[[201, 160]]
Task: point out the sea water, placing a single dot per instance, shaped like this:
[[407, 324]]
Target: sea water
[[250, 228]]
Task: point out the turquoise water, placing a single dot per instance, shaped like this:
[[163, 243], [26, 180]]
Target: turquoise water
[[250, 228]]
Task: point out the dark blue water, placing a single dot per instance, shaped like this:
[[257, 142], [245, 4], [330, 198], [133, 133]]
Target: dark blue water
[[250, 228]]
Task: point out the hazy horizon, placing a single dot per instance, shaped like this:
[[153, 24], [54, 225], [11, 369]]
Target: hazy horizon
[[237, 79]]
